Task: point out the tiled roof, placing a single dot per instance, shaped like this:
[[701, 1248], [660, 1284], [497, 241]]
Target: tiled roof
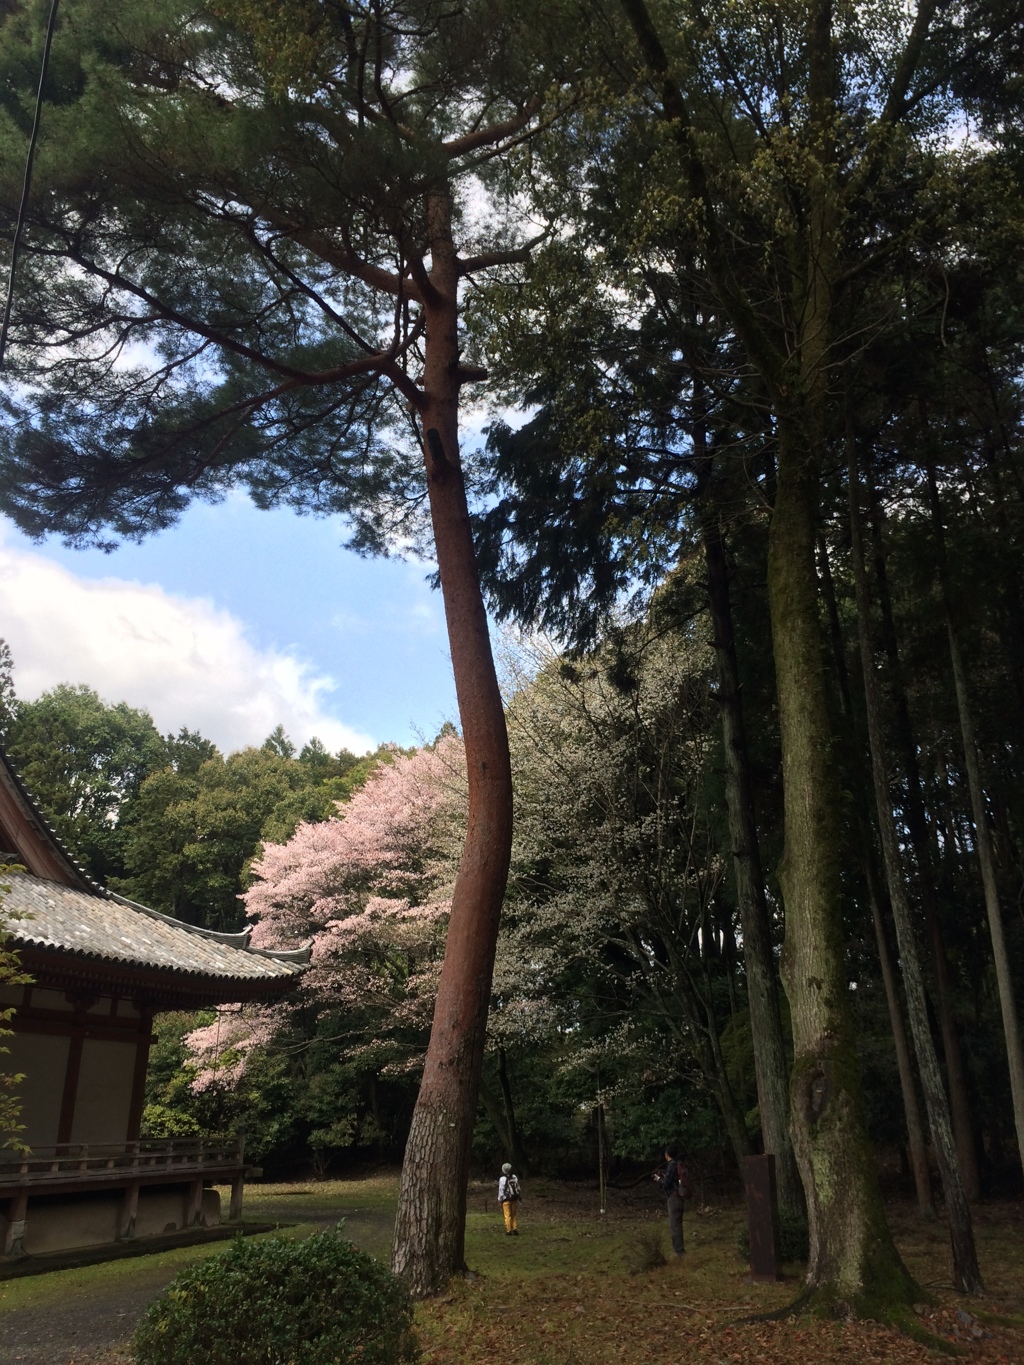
[[111, 929], [77, 872]]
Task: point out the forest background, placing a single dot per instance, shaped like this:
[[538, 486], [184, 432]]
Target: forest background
[[619, 1009]]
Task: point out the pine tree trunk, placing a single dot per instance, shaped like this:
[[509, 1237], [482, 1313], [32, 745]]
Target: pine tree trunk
[[966, 1274], [770, 1064], [982, 836], [430, 1224]]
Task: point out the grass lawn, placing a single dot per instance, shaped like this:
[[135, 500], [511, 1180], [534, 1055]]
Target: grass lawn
[[574, 1289]]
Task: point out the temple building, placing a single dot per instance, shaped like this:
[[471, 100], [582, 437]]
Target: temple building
[[101, 967]]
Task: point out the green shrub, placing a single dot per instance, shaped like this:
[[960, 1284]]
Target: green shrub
[[645, 1251], [280, 1302]]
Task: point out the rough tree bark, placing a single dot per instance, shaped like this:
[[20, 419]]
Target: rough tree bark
[[982, 835], [966, 1274], [853, 1262], [429, 1237], [853, 1265], [770, 1064]]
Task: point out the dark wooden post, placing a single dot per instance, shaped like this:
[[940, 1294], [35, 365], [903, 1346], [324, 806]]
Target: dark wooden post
[[762, 1217]]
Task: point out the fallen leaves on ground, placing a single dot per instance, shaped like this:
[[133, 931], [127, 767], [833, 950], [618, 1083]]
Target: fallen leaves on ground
[[549, 1299]]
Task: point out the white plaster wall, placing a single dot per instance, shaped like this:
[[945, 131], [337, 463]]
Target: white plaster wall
[[81, 1222], [166, 1212], [43, 1057], [104, 1091], [74, 1223]]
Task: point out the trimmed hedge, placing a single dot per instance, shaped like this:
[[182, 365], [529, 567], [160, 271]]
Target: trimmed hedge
[[320, 1301]]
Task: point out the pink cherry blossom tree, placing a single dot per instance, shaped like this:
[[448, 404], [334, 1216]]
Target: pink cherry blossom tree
[[370, 889]]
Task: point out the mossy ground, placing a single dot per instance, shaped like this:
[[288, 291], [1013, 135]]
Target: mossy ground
[[562, 1293]]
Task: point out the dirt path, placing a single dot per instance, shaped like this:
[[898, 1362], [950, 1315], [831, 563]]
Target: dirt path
[[85, 1324], [81, 1317]]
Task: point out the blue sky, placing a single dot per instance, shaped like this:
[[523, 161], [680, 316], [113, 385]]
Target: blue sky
[[230, 618]]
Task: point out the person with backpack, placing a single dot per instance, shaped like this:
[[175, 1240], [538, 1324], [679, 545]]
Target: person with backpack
[[509, 1195], [675, 1185]]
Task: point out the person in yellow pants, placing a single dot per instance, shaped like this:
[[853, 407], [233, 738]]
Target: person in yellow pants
[[508, 1198]]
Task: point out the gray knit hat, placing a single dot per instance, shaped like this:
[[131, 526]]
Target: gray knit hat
[[507, 1168]]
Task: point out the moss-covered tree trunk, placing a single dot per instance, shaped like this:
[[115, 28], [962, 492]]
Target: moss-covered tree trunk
[[430, 1225], [853, 1261]]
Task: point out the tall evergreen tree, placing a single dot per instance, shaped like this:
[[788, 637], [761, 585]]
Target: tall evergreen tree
[[252, 224]]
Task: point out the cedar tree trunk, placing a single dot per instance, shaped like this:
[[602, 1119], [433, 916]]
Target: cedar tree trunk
[[920, 838], [915, 1131], [770, 1066], [982, 836], [864, 833], [430, 1224], [966, 1274], [515, 1146], [854, 1265]]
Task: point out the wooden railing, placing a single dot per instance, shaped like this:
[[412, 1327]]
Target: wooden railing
[[74, 1161]]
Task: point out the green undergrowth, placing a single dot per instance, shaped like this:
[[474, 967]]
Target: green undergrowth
[[36, 1291]]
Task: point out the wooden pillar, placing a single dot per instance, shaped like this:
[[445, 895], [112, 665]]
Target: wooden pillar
[[17, 1216], [74, 1066], [138, 1101], [129, 1212]]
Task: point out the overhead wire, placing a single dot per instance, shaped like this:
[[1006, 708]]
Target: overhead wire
[[27, 182]]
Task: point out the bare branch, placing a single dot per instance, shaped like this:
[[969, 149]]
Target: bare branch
[[494, 132], [514, 256]]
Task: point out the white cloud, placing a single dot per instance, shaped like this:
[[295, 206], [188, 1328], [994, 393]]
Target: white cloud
[[182, 659]]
